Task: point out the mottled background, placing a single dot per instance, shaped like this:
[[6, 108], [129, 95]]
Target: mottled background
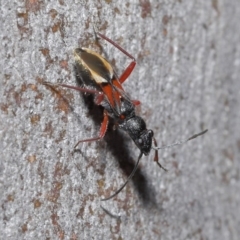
[[187, 78]]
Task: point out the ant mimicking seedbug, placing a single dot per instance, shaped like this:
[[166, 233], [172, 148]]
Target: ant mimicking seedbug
[[99, 78]]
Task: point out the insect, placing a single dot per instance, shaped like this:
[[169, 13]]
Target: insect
[[99, 78]]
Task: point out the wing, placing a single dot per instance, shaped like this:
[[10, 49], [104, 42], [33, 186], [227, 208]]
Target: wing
[[99, 68], [102, 73]]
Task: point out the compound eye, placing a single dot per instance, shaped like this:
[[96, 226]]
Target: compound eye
[[151, 133], [140, 141]]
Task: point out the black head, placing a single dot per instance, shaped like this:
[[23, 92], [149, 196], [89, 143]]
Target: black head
[[136, 128], [144, 141]]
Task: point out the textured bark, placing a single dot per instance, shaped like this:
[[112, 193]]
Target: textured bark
[[187, 79]]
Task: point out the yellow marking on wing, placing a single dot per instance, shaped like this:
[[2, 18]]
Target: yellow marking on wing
[[95, 75]]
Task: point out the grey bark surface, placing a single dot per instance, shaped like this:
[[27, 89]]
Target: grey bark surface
[[187, 79]]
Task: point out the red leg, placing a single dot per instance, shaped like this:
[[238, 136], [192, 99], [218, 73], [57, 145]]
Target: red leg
[[130, 67], [156, 156], [81, 89], [127, 72], [99, 95], [102, 132], [136, 102]]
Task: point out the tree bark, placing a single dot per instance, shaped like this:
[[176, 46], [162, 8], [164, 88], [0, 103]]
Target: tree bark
[[187, 79]]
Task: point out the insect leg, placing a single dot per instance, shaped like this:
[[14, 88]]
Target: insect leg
[[135, 102], [85, 90], [99, 95], [127, 72], [156, 159], [130, 67], [102, 131]]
